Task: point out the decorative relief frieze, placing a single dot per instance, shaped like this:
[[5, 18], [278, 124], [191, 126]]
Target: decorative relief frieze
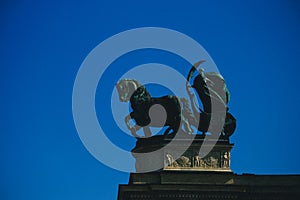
[[192, 160]]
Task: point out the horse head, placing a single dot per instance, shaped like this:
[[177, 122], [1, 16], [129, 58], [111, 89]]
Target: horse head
[[126, 88]]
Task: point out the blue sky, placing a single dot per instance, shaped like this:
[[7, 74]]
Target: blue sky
[[255, 45]]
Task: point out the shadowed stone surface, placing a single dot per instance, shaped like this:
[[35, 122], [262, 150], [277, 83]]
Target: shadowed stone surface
[[182, 154], [209, 185]]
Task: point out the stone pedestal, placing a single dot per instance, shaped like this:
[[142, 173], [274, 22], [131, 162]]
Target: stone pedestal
[[187, 170], [182, 154]]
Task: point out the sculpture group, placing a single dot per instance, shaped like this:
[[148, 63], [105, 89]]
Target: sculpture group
[[182, 113]]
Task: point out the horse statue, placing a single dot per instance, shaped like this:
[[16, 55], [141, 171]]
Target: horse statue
[[210, 88], [141, 103]]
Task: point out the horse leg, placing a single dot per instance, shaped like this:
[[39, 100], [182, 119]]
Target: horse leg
[[133, 133], [127, 119], [167, 130], [147, 131], [132, 129]]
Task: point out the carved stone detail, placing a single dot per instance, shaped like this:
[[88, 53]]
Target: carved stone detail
[[219, 160]]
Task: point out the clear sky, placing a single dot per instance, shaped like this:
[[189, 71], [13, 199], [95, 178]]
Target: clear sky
[[255, 45]]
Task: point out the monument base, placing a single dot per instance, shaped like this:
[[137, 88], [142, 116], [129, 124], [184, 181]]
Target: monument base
[[198, 168], [182, 153], [191, 185]]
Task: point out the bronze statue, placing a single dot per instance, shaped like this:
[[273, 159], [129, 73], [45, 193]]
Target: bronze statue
[[210, 88], [141, 102], [213, 93]]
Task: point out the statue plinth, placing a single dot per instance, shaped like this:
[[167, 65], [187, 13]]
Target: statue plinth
[[197, 153], [190, 175]]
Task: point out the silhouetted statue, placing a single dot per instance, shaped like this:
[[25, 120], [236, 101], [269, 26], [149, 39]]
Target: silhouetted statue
[[214, 95], [168, 113], [171, 111]]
